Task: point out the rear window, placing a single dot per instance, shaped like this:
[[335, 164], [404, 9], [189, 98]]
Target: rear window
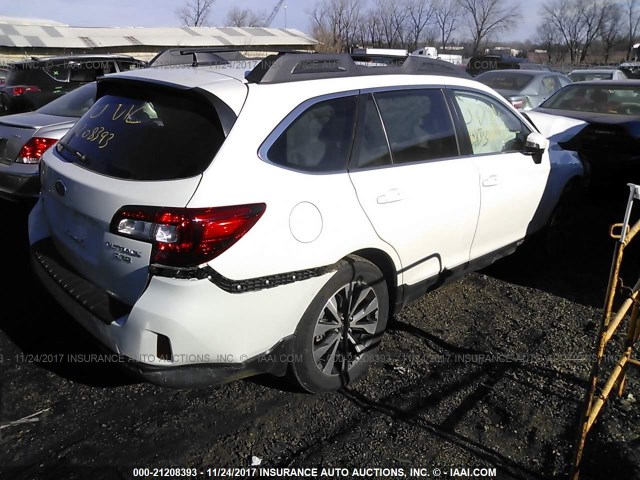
[[73, 104], [145, 134], [505, 81]]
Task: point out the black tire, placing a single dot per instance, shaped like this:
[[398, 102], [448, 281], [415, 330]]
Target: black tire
[[331, 353]]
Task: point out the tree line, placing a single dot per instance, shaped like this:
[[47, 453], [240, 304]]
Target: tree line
[[568, 29]]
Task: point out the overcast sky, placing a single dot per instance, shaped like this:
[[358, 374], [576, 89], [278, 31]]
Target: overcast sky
[[161, 13]]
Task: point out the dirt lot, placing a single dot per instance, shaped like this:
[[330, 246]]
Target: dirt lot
[[489, 371]]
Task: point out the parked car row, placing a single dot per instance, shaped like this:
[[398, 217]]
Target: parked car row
[[24, 138], [525, 89], [194, 221], [31, 84], [605, 102], [609, 145]]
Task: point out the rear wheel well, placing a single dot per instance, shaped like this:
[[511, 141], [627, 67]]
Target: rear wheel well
[[385, 264]]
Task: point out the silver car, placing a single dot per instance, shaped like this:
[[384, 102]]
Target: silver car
[[24, 137], [525, 89], [597, 74]]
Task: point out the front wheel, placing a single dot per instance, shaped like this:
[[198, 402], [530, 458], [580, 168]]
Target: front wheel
[[341, 330]]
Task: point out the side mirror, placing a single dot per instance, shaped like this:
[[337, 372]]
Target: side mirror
[[535, 146]]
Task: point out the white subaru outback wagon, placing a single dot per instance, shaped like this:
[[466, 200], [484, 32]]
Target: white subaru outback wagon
[[208, 227]]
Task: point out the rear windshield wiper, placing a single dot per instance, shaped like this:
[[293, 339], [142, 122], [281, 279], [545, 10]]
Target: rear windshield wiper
[[76, 153]]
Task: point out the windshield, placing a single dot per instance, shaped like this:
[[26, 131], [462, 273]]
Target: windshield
[[74, 104], [145, 133], [622, 100], [505, 80]]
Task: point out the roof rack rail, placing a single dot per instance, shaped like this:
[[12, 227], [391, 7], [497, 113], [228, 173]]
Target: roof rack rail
[[199, 56], [293, 67], [202, 56]]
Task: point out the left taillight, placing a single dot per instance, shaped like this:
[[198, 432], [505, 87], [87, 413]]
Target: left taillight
[[32, 151], [17, 91], [186, 237], [518, 102]]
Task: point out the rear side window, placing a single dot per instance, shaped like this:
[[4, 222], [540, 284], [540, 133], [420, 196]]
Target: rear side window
[[37, 74], [319, 140], [126, 65], [90, 71], [418, 125], [145, 134], [549, 85]]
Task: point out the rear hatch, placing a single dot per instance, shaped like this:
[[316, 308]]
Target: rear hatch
[[141, 145]]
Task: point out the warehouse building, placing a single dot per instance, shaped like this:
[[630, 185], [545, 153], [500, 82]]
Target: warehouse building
[[30, 37]]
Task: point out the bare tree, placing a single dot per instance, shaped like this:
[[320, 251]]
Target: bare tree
[[446, 14], [195, 13], [549, 39], [594, 15], [420, 14], [632, 14], [612, 26], [430, 36], [335, 23], [391, 16], [487, 17], [579, 22], [369, 31], [244, 17]]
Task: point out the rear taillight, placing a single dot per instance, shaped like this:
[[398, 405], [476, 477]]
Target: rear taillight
[[17, 91], [186, 237], [518, 102], [32, 151]]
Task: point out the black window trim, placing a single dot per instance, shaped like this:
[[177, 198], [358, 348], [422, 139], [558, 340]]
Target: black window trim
[[291, 117], [362, 101]]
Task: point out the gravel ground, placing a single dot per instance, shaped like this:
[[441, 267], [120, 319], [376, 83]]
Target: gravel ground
[[489, 371]]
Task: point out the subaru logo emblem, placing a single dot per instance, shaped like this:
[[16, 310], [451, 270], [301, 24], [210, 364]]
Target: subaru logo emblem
[[60, 188]]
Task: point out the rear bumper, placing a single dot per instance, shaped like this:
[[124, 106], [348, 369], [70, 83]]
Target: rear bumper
[[92, 309], [19, 181], [273, 362]]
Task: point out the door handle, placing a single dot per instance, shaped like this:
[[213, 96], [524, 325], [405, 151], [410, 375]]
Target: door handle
[[491, 181], [391, 196]]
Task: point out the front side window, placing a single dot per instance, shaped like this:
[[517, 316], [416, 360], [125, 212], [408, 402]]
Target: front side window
[[418, 125], [319, 140], [492, 128]]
